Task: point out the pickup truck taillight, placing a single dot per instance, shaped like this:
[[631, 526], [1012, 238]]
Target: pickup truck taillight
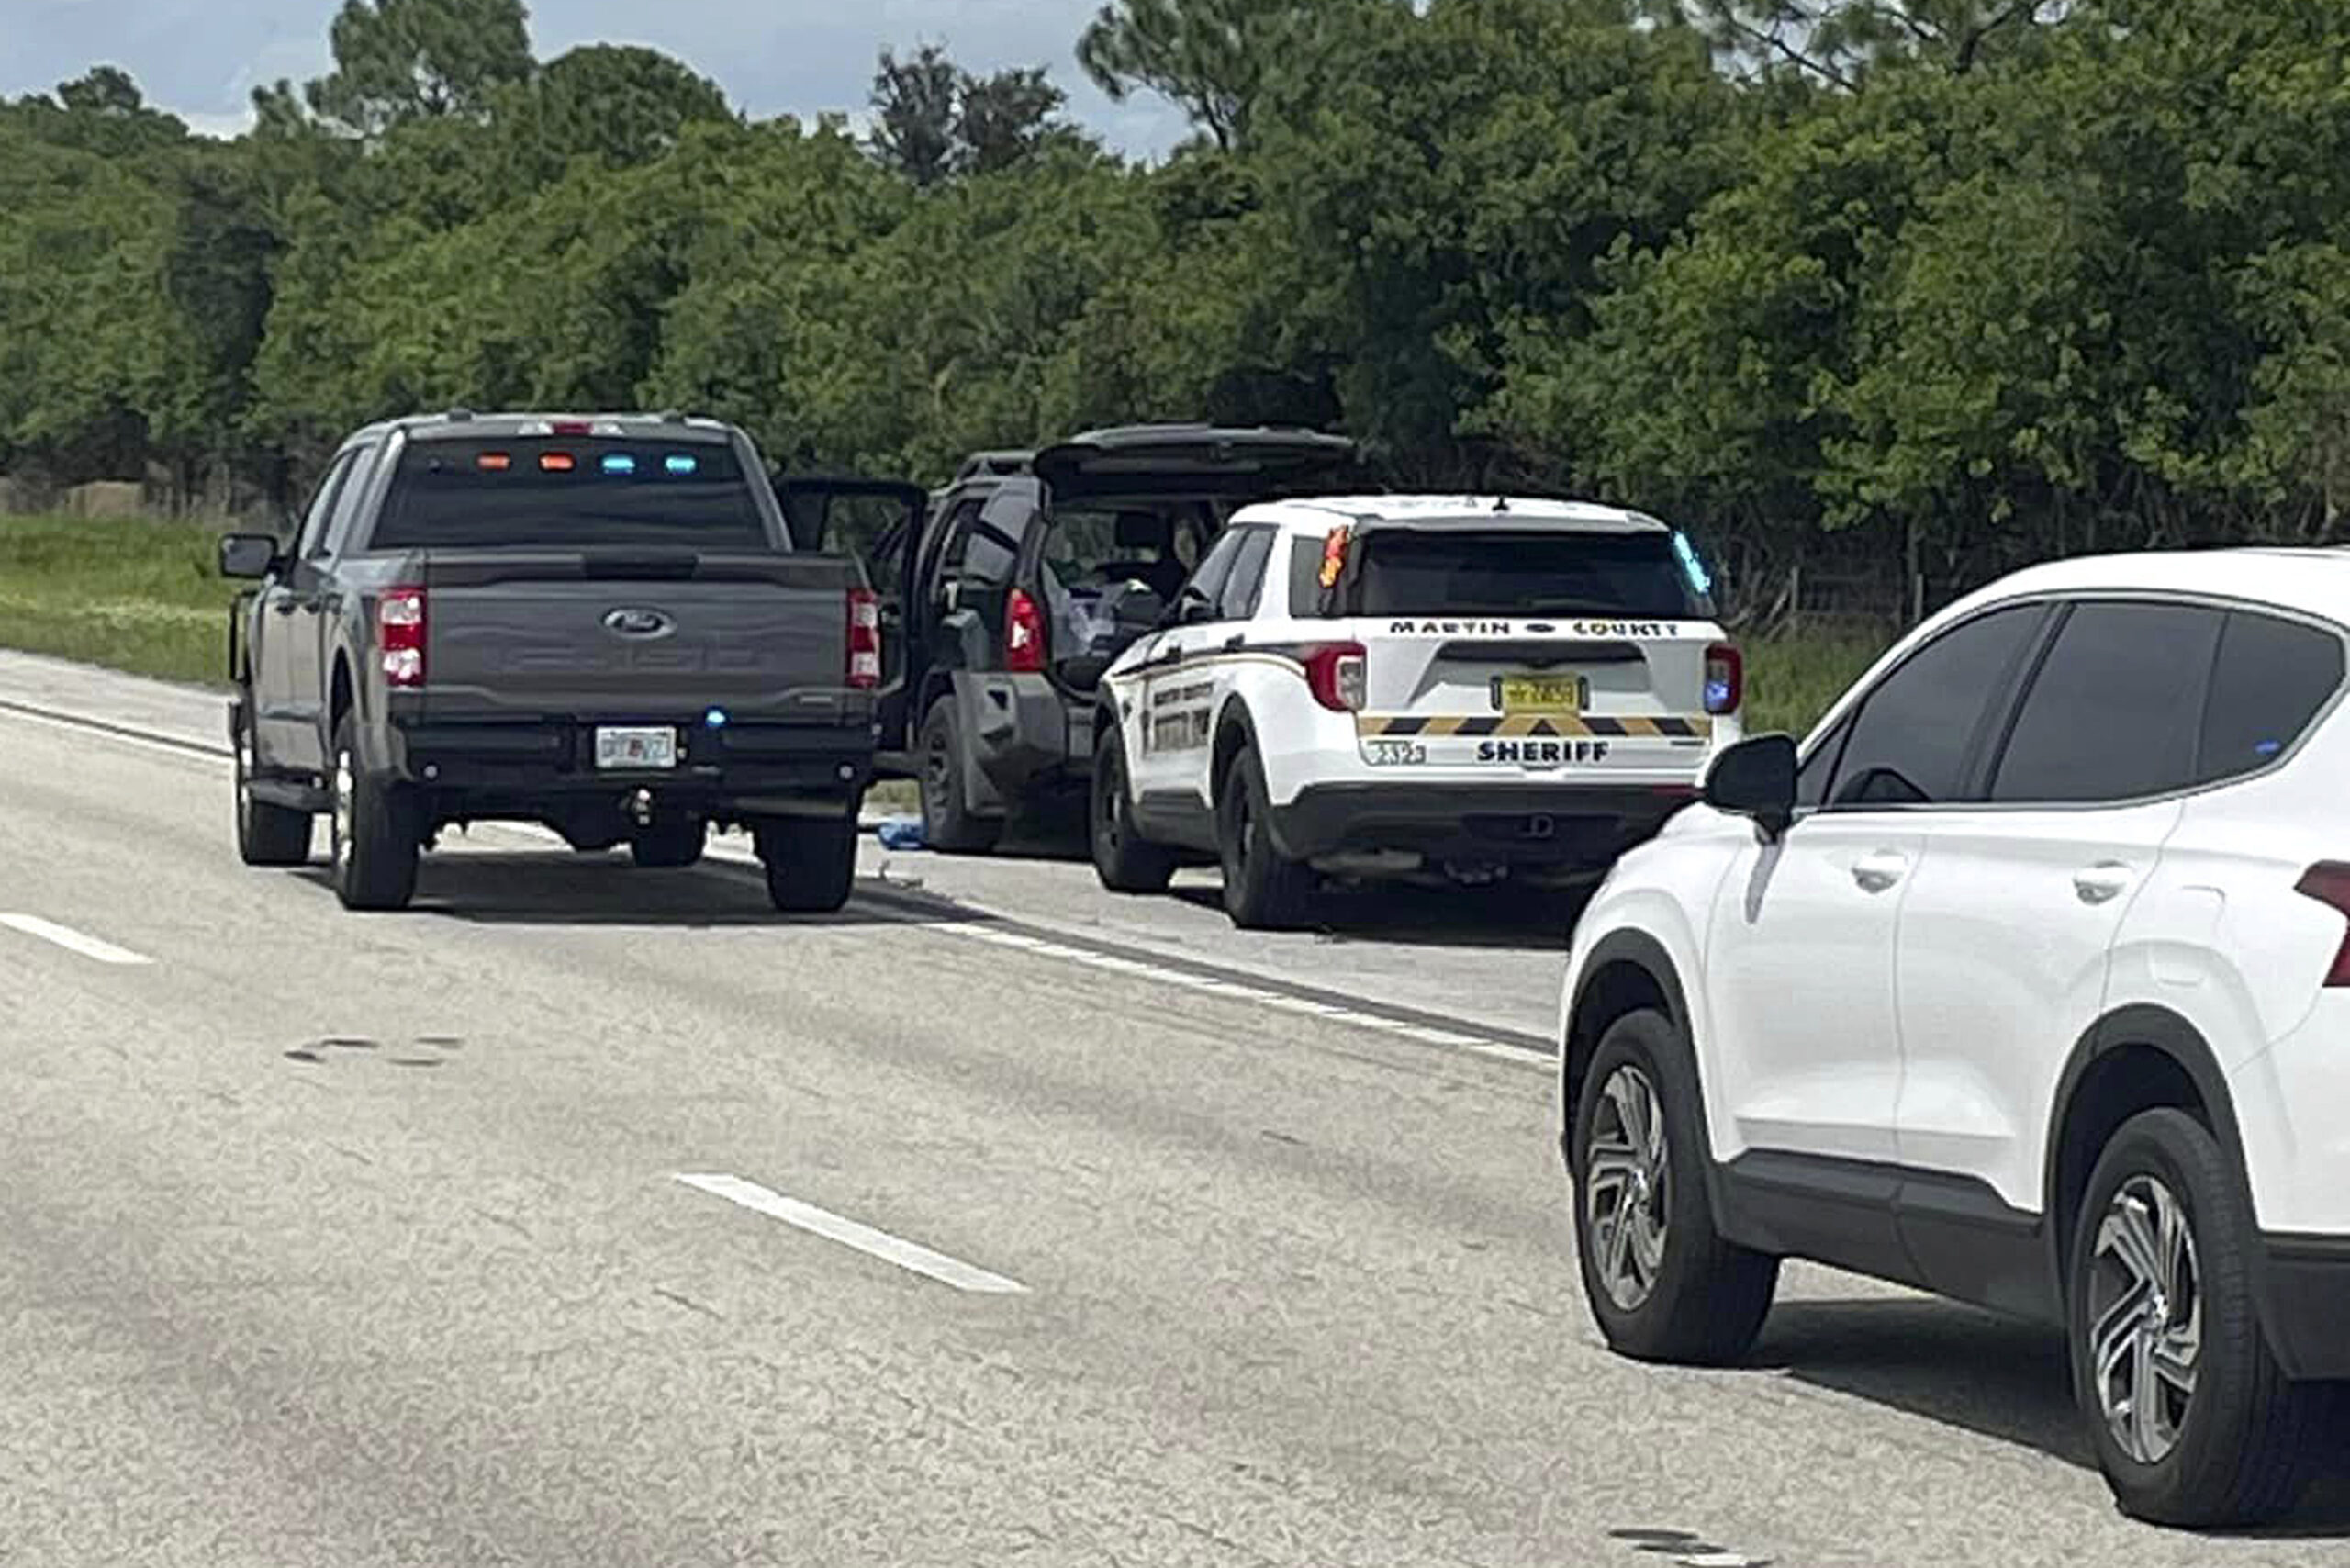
[[1023, 635], [2328, 881], [1338, 675], [864, 640], [399, 635], [1725, 678]]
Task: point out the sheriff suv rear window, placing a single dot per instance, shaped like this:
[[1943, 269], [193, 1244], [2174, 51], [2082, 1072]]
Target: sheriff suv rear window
[[569, 493], [1513, 574]]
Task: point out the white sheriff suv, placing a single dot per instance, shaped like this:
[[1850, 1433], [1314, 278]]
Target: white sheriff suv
[[1399, 686], [2024, 981]]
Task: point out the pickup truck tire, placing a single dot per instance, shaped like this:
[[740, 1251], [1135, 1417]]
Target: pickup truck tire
[[266, 834], [1263, 891], [1123, 858], [372, 830], [670, 845], [947, 824], [811, 866]]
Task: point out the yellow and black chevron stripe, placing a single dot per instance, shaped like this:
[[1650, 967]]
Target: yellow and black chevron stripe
[[1525, 724]]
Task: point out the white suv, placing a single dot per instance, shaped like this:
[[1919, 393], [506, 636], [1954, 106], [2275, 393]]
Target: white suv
[[2025, 983], [1411, 686]]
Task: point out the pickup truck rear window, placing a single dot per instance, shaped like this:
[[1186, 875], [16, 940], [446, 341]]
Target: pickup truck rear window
[[574, 493], [1520, 573]]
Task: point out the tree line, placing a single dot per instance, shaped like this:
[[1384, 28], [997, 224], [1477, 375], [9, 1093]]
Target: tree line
[[1933, 287]]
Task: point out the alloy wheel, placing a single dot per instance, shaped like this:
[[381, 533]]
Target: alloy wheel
[[342, 788], [1627, 1185], [2145, 1317]]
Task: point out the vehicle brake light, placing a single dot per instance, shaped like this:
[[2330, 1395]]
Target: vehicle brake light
[[1023, 635], [864, 639], [1338, 676], [1725, 678], [2328, 881], [571, 427], [399, 635]]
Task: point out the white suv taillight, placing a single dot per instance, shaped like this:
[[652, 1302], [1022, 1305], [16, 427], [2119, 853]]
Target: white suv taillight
[[2328, 881], [399, 635], [1339, 674], [1725, 678], [864, 640]]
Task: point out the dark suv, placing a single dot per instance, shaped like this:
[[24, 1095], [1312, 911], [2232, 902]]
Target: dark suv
[[1028, 574]]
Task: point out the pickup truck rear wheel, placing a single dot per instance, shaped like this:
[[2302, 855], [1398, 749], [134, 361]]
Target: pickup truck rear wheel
[[670, 843], [948, 826], [1123, 858], [372, 830], [811, 864], [266, 834], [1263, 891]]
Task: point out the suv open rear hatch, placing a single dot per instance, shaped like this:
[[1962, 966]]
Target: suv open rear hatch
[[1254, 464]]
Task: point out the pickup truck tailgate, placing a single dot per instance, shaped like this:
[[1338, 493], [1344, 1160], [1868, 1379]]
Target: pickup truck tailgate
[[514, 634]]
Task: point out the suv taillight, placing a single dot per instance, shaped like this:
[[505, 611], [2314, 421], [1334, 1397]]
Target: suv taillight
[[399, 635], [2328, 881], [1725, 678], [1339, 674], [1023, 635], [864, 640]]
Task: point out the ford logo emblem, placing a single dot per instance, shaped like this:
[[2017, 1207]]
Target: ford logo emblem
[[638, 625]]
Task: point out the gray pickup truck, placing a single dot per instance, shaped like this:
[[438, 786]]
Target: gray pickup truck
[[597, 623]]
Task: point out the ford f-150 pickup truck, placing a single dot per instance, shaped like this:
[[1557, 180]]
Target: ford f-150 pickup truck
[[597, 623]]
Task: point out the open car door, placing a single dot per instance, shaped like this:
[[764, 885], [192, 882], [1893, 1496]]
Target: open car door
[[879, 521], [1237, 465]]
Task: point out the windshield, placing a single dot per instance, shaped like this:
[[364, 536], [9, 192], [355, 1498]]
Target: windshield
[[572, 493], [1515, 573]]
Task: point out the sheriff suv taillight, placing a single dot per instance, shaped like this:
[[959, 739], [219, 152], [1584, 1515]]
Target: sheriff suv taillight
[[1023, 635], [1725, 678], [399, 635], [864, 639], [2328, 881], [1338, 675]]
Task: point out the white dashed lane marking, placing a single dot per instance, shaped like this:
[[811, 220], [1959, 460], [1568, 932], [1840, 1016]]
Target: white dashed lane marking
[[873, 1243], [72, 941]]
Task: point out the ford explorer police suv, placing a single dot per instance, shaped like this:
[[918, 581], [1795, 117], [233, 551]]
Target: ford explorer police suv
[[1412, 686]]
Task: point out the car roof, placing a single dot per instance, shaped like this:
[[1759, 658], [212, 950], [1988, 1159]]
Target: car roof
[[1316, 513], [2314, 581], [462, 423]]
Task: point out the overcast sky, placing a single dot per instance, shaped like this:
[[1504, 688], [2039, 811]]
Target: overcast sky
[[201, 58]]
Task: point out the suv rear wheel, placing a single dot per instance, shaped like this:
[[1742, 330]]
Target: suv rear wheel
[[2194, 1422], [947, 824], [1662, 1282], [810, 863], [371, 827], [1123, 858], [266, 834], [1262, 891]]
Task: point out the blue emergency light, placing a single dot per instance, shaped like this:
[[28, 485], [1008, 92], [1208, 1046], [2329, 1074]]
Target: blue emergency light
[[680, 463], [1700, 578], [619, 463]]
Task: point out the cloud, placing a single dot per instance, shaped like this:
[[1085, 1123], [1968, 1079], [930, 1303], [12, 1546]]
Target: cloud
[[203, 58]]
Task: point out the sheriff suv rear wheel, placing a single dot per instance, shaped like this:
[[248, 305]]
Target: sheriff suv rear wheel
[[1123, 858], [2194, 1422], [1262, 890], [1661, 1279]]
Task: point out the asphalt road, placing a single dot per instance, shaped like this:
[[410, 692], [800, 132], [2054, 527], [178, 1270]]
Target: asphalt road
[[1017, 1233]]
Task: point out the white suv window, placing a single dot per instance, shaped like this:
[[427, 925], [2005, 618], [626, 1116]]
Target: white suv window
[[1918, 735], [2273, 677], [2103, 720]]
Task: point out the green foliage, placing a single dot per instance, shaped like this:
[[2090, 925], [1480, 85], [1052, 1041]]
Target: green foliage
[[142, 597], [1869, 287]]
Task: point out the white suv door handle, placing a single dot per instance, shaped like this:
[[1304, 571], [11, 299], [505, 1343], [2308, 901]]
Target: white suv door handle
[[2103, 882], [1881, 870]]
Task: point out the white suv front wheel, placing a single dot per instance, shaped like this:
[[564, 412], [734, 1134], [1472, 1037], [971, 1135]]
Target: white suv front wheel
[[1662, 1282], [2194, 1422]]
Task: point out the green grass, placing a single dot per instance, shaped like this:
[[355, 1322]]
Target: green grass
[[142, 597], [1791, 680]]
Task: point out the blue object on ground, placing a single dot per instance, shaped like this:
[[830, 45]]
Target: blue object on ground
[[901, 832]]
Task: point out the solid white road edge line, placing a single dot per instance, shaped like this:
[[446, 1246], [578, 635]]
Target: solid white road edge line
[[72, 941], [848, 1233]]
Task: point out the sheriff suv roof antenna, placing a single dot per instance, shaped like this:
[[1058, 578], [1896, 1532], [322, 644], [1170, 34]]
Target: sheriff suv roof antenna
[[1500, 503]]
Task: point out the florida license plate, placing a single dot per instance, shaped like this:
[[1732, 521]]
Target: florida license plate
[[1541, 693], [651, 748]]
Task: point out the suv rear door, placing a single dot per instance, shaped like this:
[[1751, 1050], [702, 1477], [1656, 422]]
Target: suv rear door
[[881, 523], [1531, 644]]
